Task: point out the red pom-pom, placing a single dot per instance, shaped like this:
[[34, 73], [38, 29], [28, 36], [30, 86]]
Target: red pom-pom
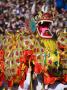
[[37, 68], [22, 59], [33, 57], [1, 83], [19, 72], [27, 52], [1, 52]]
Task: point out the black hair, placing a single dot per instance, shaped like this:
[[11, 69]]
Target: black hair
[[32, 66]]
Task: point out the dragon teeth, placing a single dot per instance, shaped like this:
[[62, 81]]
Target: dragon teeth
[[42, 22]]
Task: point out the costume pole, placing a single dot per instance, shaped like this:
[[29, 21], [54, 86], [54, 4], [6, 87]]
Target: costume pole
[[31, 78]]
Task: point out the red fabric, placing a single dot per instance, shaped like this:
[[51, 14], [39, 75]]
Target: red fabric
[[65, 78], [2, 78], [19, 72], [37, 68], [1, 83], [2, 66], [22, 74], [27, 52], [28, 56], [23, 77], [2, 53], [33, 57], [22, 59], [22, 81], [60, 46], [49, 79], [10, 83]]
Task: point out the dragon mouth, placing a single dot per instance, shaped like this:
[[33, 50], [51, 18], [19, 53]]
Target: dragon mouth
[[44, 28]]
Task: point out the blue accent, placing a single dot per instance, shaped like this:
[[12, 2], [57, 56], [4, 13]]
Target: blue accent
[[44, 58], [59, 3], [33, 25], [56, 63], [65, 7]]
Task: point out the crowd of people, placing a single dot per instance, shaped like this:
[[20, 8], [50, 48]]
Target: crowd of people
[[14, 13]]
